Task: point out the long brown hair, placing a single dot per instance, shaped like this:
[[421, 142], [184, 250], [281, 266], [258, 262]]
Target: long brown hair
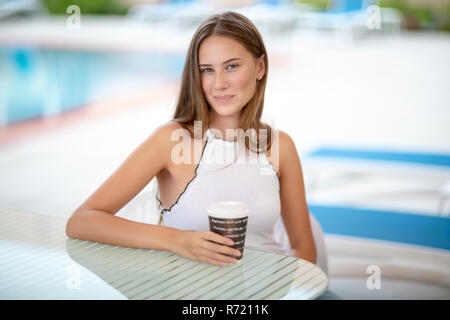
[[191, 104]]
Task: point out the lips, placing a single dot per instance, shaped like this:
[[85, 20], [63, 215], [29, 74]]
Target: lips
[[223, 98]]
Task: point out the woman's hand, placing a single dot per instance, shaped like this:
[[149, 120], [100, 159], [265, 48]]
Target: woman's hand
[[205, 246]]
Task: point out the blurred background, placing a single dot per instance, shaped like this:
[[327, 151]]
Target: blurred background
[[362, 86]]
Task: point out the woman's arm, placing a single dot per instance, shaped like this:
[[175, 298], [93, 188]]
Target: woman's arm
[[294, 210], [95, 219]]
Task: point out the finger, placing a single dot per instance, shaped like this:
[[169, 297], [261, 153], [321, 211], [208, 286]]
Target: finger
[[218, 259], [215, 262], [227, 259], [205, 256], [218, 238], [214, 247], [218, 256]]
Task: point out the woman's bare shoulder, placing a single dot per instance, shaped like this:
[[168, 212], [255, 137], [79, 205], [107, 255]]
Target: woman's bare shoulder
[[281, 139], [167, 134], [283, 152], [289, 156], [286, 141], [167, 128]]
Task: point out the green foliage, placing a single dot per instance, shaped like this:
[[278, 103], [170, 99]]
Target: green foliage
[[316, 4], [427, 16], [106, 7]]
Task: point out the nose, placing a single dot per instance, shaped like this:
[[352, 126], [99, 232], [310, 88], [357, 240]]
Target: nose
[[220, 81]]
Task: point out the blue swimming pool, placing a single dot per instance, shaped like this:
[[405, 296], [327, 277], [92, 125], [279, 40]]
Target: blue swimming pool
[[37, 82]]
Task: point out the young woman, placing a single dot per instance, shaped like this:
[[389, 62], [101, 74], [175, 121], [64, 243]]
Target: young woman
[[196, 163]]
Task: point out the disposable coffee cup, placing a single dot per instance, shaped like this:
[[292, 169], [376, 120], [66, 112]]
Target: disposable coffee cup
[[229, 219]]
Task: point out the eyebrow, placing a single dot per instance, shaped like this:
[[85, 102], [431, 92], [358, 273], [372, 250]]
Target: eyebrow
[[225, 62]]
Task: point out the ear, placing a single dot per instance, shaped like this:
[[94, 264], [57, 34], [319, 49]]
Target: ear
[[260, 67]]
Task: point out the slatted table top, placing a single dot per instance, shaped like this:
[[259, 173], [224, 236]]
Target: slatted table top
[[38, 261]]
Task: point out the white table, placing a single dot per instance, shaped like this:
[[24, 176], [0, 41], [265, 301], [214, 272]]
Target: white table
[[38, 261]]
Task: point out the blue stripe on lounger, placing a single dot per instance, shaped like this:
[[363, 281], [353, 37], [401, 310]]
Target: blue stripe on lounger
[[417, 158], [403, 227]]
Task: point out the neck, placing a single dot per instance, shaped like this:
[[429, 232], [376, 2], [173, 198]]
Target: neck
[[224, 123]]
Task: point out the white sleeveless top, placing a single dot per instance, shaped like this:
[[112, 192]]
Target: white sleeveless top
[[227, 171]]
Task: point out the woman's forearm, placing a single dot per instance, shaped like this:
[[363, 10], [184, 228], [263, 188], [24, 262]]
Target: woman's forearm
[[103, 227]]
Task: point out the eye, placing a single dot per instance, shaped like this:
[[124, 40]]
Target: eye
[[206, 70], [234, 66]]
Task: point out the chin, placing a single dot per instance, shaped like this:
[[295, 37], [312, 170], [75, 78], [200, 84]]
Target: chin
[[226, 111]]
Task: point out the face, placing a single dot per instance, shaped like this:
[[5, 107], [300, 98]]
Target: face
[[228, 74]]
